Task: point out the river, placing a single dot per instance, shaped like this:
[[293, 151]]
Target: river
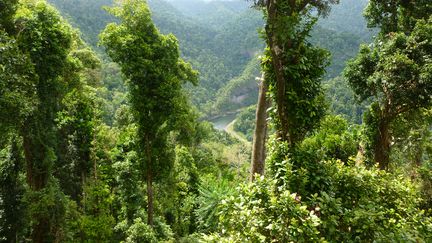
[[222, 122]]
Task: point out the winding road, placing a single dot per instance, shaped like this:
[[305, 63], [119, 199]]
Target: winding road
[[226, 123]]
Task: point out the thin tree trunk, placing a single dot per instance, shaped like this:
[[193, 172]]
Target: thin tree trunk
[[149, 184], [382, 147], [259, 141]]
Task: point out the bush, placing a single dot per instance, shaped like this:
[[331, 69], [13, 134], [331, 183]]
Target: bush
[[140, 231], [335, 200], [263, 212], [211, 193], [358, 204], [368, 205]]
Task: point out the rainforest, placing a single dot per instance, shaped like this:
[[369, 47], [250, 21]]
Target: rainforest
[[215, 121]]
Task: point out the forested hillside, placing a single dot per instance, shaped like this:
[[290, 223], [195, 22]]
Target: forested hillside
[[215, 121], [220, 39], [219, 51]]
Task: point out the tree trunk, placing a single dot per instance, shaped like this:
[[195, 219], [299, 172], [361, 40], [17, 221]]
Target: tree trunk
[[259, 141], [275, 50], [418, 154], [382, 146], [39, 234], [149, 184]]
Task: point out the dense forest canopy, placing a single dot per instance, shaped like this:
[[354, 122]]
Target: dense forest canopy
[[215, 121]]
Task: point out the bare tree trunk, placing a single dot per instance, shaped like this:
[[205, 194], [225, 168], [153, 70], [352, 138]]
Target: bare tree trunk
[[382, 146], [149, 184], [260, 134]]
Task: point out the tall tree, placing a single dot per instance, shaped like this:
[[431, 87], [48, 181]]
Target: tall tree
[[260, 133], [293, 66], [17, 101], [151, 62], [42, 68], [76, 121], [395, 71]]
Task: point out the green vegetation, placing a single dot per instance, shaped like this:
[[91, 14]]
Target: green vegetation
[[220, 40], [165, 73], [240, 91], [342, 100], [395, 71], [109, 142], [245, 122]]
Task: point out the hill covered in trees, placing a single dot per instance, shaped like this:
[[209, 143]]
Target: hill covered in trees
[[221, 40]]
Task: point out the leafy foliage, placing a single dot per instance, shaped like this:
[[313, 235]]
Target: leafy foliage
[[395, 72], [18, 84], [245, 122], [13, 222], [293, 67], [340, 202], [394, 16], [260, 212]]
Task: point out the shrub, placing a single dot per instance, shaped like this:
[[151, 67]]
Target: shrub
[[264, 212]]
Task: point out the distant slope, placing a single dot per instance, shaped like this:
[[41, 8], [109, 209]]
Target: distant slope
[[220, 39], [347, 17], [241, 91], [238, 40], [213, 13], [219, 50], [342, 46], [86, 15]]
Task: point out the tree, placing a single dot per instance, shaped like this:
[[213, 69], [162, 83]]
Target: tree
[[47, 40], [155, 72], [396, 15], [292, 69], [75, 123], [17, 91], [41, 64], [260, 133], [395, 70], [293, 66]]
